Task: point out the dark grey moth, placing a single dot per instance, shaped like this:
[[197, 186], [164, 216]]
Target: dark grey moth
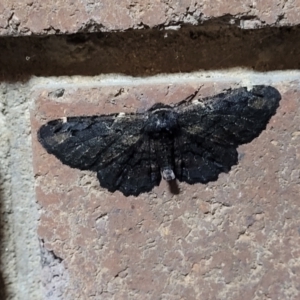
[[193, 140]]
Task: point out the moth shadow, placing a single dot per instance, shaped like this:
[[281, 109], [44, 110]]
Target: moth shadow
[[173, 187]]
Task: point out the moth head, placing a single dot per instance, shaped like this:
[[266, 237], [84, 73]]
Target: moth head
[[161, 118]]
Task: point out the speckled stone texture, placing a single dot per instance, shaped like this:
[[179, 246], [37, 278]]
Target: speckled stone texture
[[236, 238], [71, 16]]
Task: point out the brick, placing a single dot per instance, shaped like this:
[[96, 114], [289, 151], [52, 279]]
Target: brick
[[237, 237], [65, 17]]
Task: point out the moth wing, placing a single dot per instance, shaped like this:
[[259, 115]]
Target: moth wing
[[90, 143], [134, 173], [113, 146], [201, 162], [211, 130], [232, 118]]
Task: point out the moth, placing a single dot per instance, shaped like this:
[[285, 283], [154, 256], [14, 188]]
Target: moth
[[193, 141]]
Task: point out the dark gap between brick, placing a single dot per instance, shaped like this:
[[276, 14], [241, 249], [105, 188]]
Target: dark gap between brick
[[151, 51]]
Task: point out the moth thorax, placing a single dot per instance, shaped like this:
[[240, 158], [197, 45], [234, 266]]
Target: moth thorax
[[168, 174], [162, 119]]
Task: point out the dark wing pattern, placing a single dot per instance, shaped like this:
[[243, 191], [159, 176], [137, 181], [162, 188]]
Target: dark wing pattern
[[200, 160], [133, 173], [193, 141], [211, 130], [111, 145]]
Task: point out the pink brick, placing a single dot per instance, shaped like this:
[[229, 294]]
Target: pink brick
[[46, 17], [234, 238]]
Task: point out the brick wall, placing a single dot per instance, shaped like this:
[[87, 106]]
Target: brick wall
[[65, 237]]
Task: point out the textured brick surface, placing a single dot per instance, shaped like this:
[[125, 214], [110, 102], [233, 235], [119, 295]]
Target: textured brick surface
[[61, 16], [236, 238]]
